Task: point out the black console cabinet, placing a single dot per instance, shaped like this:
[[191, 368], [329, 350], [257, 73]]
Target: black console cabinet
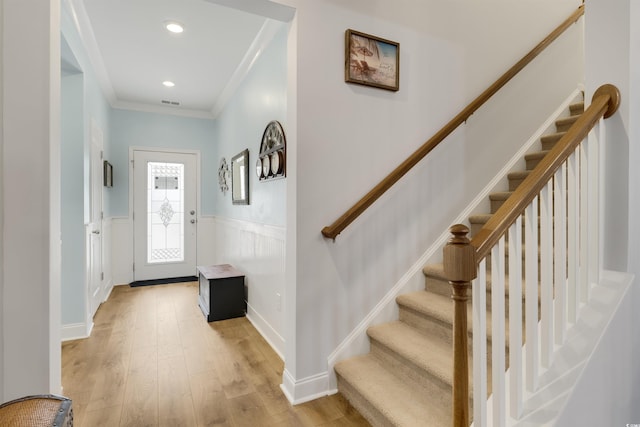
[[221, 293]]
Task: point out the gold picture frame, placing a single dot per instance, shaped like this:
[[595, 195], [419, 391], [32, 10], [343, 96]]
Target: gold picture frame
[[371, 61]]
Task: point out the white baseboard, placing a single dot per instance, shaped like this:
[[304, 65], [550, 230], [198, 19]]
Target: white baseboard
[[75, 331], [275, 340], [306, 389], [108, 292]]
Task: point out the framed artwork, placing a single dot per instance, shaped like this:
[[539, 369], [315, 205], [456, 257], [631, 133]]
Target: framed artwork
[[271, 163], [107, 174], [240, 178], [223, 176], [371, 61]]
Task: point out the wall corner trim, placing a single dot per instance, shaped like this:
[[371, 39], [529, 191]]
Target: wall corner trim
[[306, 389]]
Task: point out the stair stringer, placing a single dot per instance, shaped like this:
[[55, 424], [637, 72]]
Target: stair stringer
[[357, 342]]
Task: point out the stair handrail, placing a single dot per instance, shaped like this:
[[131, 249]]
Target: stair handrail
[[462, 256], [332, 231]]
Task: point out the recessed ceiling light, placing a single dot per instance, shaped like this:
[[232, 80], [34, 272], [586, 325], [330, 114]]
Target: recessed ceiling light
[[168, 83], [174, 27]]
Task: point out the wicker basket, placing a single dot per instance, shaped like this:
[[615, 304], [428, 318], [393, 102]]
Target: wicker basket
[[37, 411]]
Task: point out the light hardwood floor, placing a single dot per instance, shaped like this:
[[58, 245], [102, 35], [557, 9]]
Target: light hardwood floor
[[153, 360]]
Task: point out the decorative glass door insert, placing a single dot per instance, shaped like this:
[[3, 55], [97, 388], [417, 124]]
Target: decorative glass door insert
[[165, 212], [165, 223]]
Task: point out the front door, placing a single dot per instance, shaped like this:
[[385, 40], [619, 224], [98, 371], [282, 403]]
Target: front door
[[164, 214]]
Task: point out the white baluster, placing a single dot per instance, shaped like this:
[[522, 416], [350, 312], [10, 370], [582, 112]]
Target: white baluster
[[515, 319], [531, 300], [479, 306], [560, 252], [546, 276], [584, 241], [498, 334], [573, 300]]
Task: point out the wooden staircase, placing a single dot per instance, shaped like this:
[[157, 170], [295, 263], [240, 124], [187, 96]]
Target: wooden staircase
[[406, 378]]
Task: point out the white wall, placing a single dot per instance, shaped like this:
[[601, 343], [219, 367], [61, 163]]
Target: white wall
[[2, 318], [608, 386], [633, 255], [600, 56], [612, 42], [349, 137], [633, 259], [31, 198]]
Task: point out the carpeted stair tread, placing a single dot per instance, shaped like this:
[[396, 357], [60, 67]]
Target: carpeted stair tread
[[428, 304], [385, 399], [577, 108], [500, 195], [426, 352], [435, 271], [479, 218], [518, 174], [553, 136], [536, 155], [565, 123], [516, 178], [532, 159], [550, 140], [432, 305], [440, 308], [498, 198]]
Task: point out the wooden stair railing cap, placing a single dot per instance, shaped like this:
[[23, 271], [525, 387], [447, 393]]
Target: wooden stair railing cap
[[614, 98], [332, 231]]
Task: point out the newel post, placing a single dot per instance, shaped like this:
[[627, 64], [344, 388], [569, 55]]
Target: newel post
[[460, 268]]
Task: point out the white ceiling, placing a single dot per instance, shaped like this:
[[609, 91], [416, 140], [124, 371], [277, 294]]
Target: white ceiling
[[132, 53]]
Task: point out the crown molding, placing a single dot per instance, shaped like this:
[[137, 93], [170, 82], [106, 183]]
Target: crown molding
[[266, 8], [82, 23], [262, 40], [159, 109]]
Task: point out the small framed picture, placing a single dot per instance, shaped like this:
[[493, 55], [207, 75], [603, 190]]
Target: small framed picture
[[108, 174], [371, 61]]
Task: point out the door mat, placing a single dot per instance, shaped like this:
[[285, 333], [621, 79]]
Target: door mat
[[163, 281]]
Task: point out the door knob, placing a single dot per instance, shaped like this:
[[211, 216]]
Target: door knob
[[192, 212], [193, 221]]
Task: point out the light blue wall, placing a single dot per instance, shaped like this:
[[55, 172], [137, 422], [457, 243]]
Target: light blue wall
[[260, 99], [72, 210], [141, 129], [83, 102]]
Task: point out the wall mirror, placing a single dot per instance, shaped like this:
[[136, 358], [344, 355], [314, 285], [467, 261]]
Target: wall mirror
[[240, 178]]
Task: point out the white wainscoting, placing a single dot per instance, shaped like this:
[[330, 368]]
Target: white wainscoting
[[107, 280], [121, 250], [258, 250], [206, 240]]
